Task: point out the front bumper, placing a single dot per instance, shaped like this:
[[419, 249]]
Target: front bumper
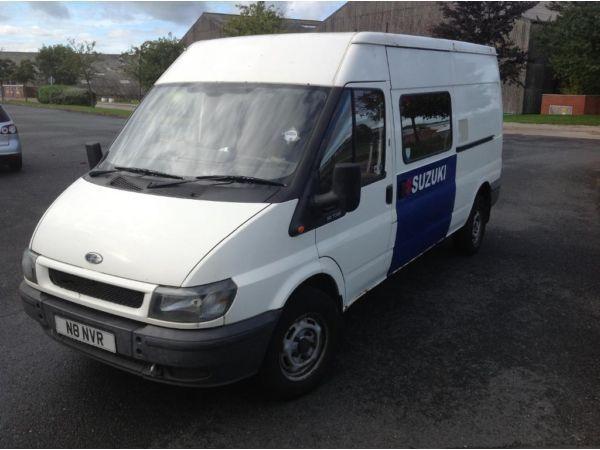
[[201, 357]]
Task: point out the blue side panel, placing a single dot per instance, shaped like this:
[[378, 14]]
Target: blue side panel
[[424, 206]]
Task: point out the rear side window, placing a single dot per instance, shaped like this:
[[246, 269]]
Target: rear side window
[[426, 124], [356, 134], [3, 116]]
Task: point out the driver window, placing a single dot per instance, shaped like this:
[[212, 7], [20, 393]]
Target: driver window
[[356, 134]]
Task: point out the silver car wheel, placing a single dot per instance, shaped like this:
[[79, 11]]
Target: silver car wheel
[[303, 347]]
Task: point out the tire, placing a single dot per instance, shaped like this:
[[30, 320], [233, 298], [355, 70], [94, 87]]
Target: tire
[[469, 238], [302, 346], [16, 166]]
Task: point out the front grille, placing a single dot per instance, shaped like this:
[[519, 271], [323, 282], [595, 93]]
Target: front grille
[[96, 289]]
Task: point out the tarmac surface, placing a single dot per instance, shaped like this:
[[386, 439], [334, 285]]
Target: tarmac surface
[[500, 349]]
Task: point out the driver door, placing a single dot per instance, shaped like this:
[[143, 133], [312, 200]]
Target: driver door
[[361, 241]]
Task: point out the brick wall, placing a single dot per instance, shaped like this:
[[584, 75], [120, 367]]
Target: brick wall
[[18, 91], [579, 104]]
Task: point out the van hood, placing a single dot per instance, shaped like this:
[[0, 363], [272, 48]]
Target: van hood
[[141, 237]]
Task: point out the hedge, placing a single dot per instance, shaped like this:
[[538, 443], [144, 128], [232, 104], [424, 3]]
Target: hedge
[[65, 95]]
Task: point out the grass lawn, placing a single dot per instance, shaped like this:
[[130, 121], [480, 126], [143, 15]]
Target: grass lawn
[[74, 108], [553, 119]]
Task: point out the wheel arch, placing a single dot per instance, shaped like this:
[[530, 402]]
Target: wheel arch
[[485, 192], [326, 284], [326, 276]]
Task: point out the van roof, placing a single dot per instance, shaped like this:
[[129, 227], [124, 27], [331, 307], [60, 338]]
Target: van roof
[[302, 58], [422, 42]]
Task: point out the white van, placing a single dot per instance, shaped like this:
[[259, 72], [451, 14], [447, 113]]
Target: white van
[[263, 186]]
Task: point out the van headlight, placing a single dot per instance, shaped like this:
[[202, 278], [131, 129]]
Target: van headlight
[[193, 304], [28, 265]]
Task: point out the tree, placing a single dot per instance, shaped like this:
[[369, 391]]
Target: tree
[[255, 18], [24, 73], [487, 23], [7, 70], [147, 62], [58, 64], [85, 57], [573, 45], [134, 67]]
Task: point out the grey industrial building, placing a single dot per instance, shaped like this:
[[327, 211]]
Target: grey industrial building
[[420, 17], [417, 18], [210, 26]]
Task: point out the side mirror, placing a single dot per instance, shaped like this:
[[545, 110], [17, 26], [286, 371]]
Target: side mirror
[[94, 153], [345, 189]]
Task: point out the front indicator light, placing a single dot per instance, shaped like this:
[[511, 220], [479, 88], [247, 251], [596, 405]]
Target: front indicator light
[[28, 265], [193, 304]]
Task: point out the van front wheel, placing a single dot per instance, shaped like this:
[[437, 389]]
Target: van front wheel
[[469, 238], [302, 344]]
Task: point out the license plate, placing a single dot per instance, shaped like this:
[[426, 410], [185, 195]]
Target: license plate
[[86, 334]]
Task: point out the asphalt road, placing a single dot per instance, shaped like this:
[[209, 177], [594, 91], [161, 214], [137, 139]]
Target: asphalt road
[[501, 349]]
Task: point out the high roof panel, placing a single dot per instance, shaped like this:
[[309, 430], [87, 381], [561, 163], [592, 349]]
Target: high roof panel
[[311, 58], [284, 58], [406, 40]]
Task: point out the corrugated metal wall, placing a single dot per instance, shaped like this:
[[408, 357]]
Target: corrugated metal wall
[[390, 17], [204, 28], [513, 95], [210, 26]]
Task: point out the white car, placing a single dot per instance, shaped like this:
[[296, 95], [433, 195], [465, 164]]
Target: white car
[[262, 187], [10, 144]]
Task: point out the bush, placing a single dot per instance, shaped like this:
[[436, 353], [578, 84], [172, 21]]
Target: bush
[[78, 96], [49, 94], [65, 95]]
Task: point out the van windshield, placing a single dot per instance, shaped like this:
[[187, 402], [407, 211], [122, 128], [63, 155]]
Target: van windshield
[[203, 129]]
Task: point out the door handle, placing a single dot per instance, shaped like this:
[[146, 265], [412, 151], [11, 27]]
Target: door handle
[[389, 194]]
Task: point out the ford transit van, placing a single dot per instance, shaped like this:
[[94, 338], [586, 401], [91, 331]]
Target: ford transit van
[[262, 186]]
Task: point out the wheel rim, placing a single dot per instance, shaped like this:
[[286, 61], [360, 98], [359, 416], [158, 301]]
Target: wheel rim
[[476, 228], [303, 347]]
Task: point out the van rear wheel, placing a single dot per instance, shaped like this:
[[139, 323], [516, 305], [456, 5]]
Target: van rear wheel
[[469, 238], [302, 345]]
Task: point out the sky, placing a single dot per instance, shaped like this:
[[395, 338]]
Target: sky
[[116, 26]]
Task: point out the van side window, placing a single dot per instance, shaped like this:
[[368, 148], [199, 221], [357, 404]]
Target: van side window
[[426, 125], [356, 134]]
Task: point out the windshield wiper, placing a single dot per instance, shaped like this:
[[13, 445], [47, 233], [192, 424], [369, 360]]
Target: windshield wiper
[[224, 178], [96, 173], [240, 179], [150, 172], [153, 173]]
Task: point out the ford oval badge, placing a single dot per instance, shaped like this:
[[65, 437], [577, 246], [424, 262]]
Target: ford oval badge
[[93, 258]]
